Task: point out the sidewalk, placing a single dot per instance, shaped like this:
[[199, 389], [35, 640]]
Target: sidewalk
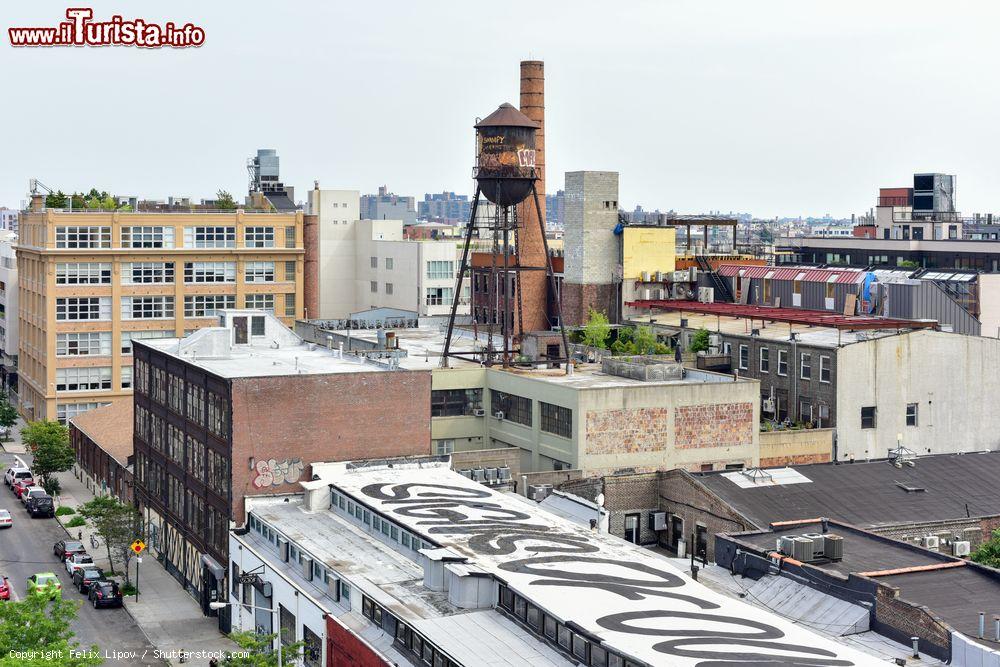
[[167, 614]]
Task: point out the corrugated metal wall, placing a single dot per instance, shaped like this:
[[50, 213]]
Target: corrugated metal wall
[[925, 300], [813, 294]]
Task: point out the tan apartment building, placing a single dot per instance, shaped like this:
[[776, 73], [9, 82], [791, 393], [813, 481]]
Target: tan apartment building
[[95, 281]]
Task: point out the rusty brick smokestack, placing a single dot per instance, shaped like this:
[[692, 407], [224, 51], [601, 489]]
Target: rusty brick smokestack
[[534, 286], [310, 269]]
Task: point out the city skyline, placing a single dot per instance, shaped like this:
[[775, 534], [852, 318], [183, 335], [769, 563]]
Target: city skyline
[[699, 108]]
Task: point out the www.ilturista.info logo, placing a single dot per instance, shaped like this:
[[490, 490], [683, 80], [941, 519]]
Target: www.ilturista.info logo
[[80, 30]]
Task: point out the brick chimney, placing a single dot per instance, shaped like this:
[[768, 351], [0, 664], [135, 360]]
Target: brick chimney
[[534, 284]]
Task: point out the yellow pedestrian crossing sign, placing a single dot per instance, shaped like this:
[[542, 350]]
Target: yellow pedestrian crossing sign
[[138, 546]]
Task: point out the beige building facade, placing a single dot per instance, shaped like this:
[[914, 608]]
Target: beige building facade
[[94, 281]]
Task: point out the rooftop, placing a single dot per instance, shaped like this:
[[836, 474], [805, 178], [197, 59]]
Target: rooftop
[[599, 586], [876, 493], [110, 428]]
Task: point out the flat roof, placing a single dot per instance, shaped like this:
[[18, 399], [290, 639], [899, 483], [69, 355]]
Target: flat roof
[[871, 494], [620, 595]]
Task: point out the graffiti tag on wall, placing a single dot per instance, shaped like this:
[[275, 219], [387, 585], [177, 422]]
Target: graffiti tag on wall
[[275, 473]]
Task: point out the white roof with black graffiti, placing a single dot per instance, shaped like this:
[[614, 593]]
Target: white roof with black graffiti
[[635, 602]]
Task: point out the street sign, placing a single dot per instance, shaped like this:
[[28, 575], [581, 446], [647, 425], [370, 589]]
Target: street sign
[[138, 546]]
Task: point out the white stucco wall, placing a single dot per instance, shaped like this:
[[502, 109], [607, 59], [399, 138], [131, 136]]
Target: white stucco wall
[[338, 219]]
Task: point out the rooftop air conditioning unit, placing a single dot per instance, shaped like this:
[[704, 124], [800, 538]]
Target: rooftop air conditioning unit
[[479, 474], [960, 548], [714, 340], [491, 475], [333, 588], [645, 276], [283, 549], [930, 542], [465, 473], [785, 544], [657, 520], [681, 276], [694, 273], [802, 549], [499, 415], [833, 547], [706, 295], [479, 412], [647, 294], [767, 405], [307, 568], [542, 492], [817, 540], [503, 474]]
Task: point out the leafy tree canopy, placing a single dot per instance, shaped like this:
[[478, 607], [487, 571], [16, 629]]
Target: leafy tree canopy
[[597, 330], [36, 624], [988, 552], [225, 201], [699, 341], [260, 652], [48, 442]]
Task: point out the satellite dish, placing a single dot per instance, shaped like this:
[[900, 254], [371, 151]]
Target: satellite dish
[[600, 500]]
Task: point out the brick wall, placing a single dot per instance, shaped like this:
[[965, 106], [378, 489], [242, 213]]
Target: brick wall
[[334, 417], [554, 477], [681, 495], [784, 448], [346, 649], [901, 620], [718, 425], [628, 431], [577, 300], [974, 530], [489, 458]]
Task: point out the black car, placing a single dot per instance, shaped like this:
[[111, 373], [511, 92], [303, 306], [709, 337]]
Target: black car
[[85, 577], [105, 594], [63, 549], [40, 506]]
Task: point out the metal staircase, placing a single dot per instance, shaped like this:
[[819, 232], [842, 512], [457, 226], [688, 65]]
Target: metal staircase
[[722, 290]]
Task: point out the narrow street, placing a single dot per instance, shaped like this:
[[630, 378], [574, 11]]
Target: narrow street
[[27, 548]]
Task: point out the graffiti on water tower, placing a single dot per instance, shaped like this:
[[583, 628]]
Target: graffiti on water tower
[[275, 473]]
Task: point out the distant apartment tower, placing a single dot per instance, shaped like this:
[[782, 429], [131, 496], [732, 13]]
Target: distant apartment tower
[[555, 209], [8, 219], [9, 325], [592, 252], [388, 206], [92, 282], [445, 207]]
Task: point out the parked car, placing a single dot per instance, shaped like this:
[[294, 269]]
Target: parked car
[[78, 560], [85, 577], [45, 584], [63, 549], [6, 520], [22, 486], [41, 505], [33, 491], [15, 474], [4, 588], [105, 594]]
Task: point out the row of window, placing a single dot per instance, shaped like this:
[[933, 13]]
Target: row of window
[[98, 237], [556, 419], [405, 638], [66, 411], [205, 408], [805, 363], [376, 524], [145, 273], [89, 308], [198, 460], [98, 343], [869, 415]]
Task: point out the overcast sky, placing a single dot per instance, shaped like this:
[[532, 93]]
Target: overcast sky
[[774, 108]]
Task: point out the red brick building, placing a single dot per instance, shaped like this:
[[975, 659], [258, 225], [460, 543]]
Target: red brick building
[[102, 440]]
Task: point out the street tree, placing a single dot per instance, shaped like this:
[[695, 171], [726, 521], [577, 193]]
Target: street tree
[[119, 525], [225, 201], [596, 330], [48, 442], [8, 415], [256, 651], [42, 626]]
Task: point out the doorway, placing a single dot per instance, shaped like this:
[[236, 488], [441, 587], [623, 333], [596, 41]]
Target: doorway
[[676, 531], [632, 528], [240, 330], [701, 542]]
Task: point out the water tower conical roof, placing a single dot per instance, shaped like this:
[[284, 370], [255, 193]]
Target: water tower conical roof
[[507, 115]]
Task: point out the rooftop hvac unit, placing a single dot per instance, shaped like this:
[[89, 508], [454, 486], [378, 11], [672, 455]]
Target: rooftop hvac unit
[[785, 544], [503, 474], [802, 549], [499, 415], [333, 588], [657, 520], [706, 294], [681, 276], [833, 547], [645, 276], [714, 340], [659, 276], [647, 294], [767, 405], [960, 548], [491, 475], [930, 542], [479, 412], [307, 568], [817, 541], [479, 474], [283, 549], [542, 492], [465, 473], [694, 273]]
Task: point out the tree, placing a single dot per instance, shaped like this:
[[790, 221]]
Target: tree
[[256, 651], [119, 525], [48, 442], [8, 415], [55, 199], [597, 330], [224, 201], [699, 341], [644, 340], [37, 624], [988, 552]]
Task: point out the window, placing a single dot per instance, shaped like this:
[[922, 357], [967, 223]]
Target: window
[[312, 651], [388, 263], [822, 416], [374, 286], [290, 271], [83, 273], [141, 273], [345, 591], [290, 305], [257, 325], [455, 402], [783, 362], [439, 296], [129, 336], [88, 343], [195, 458], [83, 237], [147, 237], [805, 369], [83, 308], [147, 307], [259, 302], [514, 408], [440, 270], [83, 379], [66, 411], [210, 272], [126, 377], [258, 237], [374, 262], [868, 417], [196, 404], [911, 414], [765, 360], [287, 624], [388, 288], [218, 472], [289, 237], [824, 369], [744, 357], [209, 237], [805, 411], [259, 272], [556, 419], [201, 305], [442, 447], [218, 415]]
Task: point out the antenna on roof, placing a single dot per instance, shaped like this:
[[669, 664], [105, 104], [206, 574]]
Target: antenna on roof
[[902, 455]]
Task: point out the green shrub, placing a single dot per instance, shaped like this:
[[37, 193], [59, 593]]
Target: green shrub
[[127, 590], [65, 511], [75, 522]]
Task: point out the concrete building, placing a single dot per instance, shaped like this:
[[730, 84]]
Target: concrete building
[[92, 282], [102, 441], [330, 251], [388, 206], [555, 210], [10, 325], [243, 408], [394, 590], [446, 207], [8, 219]]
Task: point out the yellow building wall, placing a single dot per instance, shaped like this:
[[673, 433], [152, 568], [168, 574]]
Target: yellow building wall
[[648, 249]]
